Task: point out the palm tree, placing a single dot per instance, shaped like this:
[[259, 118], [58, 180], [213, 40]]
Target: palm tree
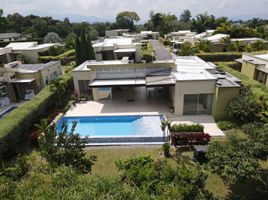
[[203, 45], [226, 41], [58, 85], [187, 49]]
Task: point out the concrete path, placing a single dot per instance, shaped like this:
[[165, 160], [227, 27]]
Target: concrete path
[[161, 53], [206, 120]]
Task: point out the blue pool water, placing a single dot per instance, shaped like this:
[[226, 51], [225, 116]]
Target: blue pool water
[[8, 110], [110, 126]]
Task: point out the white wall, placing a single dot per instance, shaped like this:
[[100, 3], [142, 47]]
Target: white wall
[[191, 87], [50, 70], [80, 75]]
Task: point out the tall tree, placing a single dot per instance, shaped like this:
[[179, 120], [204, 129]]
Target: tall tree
[[78, 58], [126, 19], [186, 16]]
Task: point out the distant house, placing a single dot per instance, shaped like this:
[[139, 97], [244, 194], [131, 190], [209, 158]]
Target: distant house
[[6, 56], [23, 81], [8, 37], [117, 48], [181, 36], [29, 49], [255, 67], [116, 32], [191, 85], [147, 35]]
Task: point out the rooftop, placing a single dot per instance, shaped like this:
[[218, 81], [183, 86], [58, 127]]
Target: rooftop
[[247, 39], [9, 35], [217, 37], [28, 45], [109, 42], [28, 68]]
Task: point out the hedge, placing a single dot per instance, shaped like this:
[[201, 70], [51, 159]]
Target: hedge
[[15, 126], [259, 90], [65, 58], [187, 128], [234, 65], [219, 56]]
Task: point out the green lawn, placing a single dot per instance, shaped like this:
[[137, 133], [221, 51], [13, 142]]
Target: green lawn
[[106, 157]]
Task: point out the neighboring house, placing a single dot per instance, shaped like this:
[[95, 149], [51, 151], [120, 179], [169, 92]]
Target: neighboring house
[[181, 36], [149, 35], [23, 81], [204, 35], [247, 41], [29, 49], [255, 67], [8, 37], [194, 86], [115, 33], [6, 56], [117, 48], [216, 41]]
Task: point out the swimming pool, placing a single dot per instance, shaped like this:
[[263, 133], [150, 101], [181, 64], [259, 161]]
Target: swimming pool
[[115, 126], [6, 111]]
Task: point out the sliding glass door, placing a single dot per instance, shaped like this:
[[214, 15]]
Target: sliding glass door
[[197, 104]]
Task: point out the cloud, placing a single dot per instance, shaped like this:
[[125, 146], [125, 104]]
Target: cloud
[[107, 9]]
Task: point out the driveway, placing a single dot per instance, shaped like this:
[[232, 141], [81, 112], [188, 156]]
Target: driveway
[[161, 53]]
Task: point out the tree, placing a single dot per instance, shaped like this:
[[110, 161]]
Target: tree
[[58, 86], [187, 49], [244, 107], [203, 45], [91, 53], [78, 58], [186, 16], [63, 147], [126, 20], [237, 159], [52, 38], [257, 45]]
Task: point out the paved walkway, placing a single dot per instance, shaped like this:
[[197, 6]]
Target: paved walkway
[[161, 53]]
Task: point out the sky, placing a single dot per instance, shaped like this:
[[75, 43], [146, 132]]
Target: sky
[[106, 10]]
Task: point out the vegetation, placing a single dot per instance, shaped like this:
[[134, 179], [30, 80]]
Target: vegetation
[[15, 126], [52, 38], [187, 128], [187, 49], [219, 56], [226, 125], [148, 53], [65, 57], [63, 147]]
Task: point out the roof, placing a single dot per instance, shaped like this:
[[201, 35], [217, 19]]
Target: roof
[[85, 66], [21, 45], [109, 42], [130, 50], [115, 82], [28, 46], [22, 80], [217, 37], [9, 35], [247, 39], [262, 56], [29, 68]]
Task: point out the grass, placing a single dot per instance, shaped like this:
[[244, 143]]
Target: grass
[[106, 157]]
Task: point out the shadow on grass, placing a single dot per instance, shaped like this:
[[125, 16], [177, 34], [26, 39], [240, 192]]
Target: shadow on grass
[[250, 189]]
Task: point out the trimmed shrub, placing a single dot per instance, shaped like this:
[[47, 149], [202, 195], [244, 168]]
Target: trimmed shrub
[[219, 56], [65, 58], [225, 125], [234, 65], [15, 126], [187, 128]]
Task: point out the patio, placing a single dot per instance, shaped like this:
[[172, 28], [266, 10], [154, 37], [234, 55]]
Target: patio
[[133, 101]]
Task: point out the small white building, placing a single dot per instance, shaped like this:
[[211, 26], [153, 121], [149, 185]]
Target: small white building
[[29, 49], [148, 35], [217, 38], [8, 37], [117, 48], [181, 36], [116, 32]]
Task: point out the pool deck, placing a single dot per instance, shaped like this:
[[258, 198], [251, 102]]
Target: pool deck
[[141, 107]]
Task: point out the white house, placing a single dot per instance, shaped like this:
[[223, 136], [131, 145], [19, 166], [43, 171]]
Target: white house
[[117, 48], [29, 49], [192, 86], [8, 37], [116, 32]]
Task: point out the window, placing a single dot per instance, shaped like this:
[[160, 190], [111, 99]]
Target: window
[[53, 76], [197, 104], [84, 87]]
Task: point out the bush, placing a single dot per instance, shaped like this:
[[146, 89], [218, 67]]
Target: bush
[[65, 58], [234, 65], [225, 125], [166, 148], [15, 126], [187, 128], [166, 42], [219, 56]]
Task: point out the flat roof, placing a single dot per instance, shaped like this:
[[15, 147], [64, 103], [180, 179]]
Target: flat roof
[[21, 45], [22, 80], [9, 35], [160, 80], [117, 82], [109, 42], [129, 50], [217, 37], [262, 56], [31, 68]]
